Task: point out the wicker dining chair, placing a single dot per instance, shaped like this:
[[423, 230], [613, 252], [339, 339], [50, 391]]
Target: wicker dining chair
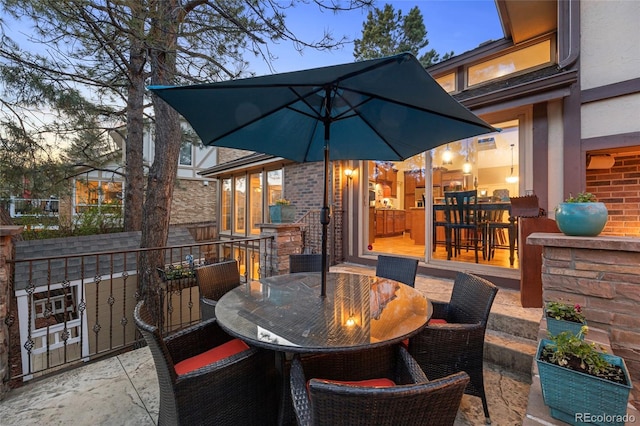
[[320, 396], [456, 342], [237, 389], [395, 268], [213, 282], [305, 263]]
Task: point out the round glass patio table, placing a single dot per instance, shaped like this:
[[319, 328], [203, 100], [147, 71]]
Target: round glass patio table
[[286, 312]]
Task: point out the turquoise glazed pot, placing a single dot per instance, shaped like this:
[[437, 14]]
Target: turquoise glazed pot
[[581, 219], [282, 213]]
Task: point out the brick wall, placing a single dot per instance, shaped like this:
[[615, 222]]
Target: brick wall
[[303, 186], [602, 275], [619, 189], [7, 253], [193, 202]]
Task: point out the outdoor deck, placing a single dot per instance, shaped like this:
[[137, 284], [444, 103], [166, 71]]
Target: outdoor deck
[[124, 390]]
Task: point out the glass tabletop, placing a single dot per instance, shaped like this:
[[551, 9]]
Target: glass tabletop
[[286, 312]]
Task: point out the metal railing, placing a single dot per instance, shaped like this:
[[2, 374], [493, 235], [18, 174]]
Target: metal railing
[[80, 307], [312, 237]]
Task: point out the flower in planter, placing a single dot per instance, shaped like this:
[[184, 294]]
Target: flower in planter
[[571, 351], [565, 311], [282, 202], [582, 197]]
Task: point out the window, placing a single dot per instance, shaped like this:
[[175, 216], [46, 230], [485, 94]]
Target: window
[[255, 202], [406, 198], [515, 61], [106, 195], [274, 186], [244, 200], [240, 199], [186, 154], [447, 82], [225, 205]]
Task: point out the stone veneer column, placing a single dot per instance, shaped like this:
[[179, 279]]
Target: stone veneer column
[[288, 239], [6, 253], [602, 274]]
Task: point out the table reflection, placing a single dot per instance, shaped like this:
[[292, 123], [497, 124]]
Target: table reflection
[[286, 312]]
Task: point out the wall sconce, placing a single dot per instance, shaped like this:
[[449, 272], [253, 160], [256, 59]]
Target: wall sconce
[[511, 178], [348, 173], [447, 156]]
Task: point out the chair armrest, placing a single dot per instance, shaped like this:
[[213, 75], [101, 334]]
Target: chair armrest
[[195, 339], [207, 308], [409, 371], [440, 310], [299, 394]]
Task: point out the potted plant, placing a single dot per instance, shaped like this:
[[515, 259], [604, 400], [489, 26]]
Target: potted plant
[[564, 317], [282, 211], [580, 383], [582, 215]]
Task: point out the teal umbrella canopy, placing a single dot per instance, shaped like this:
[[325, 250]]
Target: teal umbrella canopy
[[380, 109]]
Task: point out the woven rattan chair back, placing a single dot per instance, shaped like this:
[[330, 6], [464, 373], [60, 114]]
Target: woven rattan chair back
[[237, 390], [445, 349], [305, 263], [323, 402], [214, 281], [471, 299], [397, 268]]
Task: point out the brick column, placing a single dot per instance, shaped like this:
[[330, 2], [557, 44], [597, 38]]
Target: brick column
[[288, 239], [602, 274], [6, 253]]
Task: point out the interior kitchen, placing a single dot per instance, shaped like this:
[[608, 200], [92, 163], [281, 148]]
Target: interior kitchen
[[399, 192]]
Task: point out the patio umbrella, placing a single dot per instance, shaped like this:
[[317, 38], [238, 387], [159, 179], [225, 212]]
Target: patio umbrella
[[380, 109]]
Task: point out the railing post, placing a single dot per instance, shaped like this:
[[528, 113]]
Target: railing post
[[6, 254]]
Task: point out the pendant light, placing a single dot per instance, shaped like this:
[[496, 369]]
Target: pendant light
[[467, 167], [511, 178], [447, 156]]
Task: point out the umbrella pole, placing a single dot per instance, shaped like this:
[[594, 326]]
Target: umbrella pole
[[324, 220]]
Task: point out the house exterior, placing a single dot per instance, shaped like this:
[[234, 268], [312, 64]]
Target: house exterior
[[192, 197], [564, 89]]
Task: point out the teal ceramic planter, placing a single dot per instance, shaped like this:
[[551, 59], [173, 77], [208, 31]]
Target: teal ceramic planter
[[581, 219], [572, 394], [282, 213]]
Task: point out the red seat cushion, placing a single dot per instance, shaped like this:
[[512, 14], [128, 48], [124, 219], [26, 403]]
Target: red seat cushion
[[369, 383], [223, 351], [433, 321]]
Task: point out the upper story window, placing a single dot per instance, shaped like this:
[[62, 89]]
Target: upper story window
[[515, 61], [186, 155], [447, 82]]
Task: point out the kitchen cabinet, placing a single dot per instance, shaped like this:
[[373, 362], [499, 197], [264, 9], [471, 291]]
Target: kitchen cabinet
[[413, 179], [382, 172], [390, 222]]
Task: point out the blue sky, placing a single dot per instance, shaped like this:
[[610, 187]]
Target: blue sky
[[458, 25]]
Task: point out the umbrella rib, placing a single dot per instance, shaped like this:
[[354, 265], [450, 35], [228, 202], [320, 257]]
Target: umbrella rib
[[272, 111], [418, 108]]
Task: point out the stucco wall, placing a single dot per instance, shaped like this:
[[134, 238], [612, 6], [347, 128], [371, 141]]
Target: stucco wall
[[609, 50]]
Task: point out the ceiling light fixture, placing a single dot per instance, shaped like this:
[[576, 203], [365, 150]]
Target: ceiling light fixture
[[511, 178], [447, 156]]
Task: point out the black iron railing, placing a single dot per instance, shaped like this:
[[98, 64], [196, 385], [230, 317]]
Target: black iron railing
[[79, 308]]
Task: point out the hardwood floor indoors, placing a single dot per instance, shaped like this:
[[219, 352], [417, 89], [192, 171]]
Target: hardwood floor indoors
[[403, 245]]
